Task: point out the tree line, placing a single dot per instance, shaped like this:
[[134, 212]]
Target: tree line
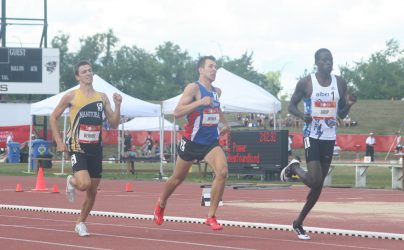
[[148, 76], [163, 73]]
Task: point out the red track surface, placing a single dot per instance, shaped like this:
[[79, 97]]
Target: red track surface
[[28, 230]]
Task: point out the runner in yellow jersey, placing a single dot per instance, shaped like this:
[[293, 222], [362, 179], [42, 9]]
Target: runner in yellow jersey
[[86, 108]]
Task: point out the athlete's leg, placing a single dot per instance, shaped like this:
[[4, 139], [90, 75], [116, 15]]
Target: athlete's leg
[[217, 160], [316, 174], [313, 176], [88, 204], [81, 180], [180, 173]]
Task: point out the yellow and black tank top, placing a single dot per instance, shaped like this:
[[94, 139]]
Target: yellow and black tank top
[[84, 134]]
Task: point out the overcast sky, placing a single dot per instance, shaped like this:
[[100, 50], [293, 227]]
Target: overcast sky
[[282, 34]]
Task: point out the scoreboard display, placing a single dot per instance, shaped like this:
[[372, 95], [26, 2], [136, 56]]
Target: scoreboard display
[[257, 152], [29, 71]]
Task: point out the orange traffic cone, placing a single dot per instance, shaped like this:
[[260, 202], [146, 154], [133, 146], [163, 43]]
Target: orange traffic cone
[[128, 187], [55, 189], [40, 181], [18, 188]]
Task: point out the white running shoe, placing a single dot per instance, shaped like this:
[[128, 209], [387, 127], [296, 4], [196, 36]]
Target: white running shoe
[[70, 190], [301, 233], [287, 171], [81, 229]]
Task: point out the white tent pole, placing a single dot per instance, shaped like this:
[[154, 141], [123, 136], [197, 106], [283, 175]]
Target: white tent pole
[[274, 116], [64, 140], [161, 122], [29, 146], [120, 143]]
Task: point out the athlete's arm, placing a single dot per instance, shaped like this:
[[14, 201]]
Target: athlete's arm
[[226, 128], [346, 100], [113, 117], [298, 95], [57, 112], [190, 100]]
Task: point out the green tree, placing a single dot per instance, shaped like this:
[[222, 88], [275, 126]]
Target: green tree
[[176, 69], [243, 67], [134, 72], [381, 76], [66, 58], [274, 82]]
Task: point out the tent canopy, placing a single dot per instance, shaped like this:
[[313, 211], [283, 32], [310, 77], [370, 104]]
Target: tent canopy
[[238, 95], [146, 124], [130, 107]]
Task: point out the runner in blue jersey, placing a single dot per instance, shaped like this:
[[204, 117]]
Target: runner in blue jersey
[[200, 104], [325, 98]]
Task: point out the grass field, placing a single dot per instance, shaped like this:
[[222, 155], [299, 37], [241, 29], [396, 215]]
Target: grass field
[[383, 117], [343, 176]]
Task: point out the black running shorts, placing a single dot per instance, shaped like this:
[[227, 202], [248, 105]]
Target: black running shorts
[[190, 151], [319, 150], [85, 161]]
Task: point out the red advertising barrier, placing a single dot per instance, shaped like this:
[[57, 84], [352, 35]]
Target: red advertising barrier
[[347, 142], [19, 134], [352, 142]]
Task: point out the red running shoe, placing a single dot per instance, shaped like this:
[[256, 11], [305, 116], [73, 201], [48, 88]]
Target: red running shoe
[[158, 214], [212, 222]]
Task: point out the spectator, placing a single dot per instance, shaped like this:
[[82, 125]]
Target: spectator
[[399, 143], [370, 144], [9, 138], [156, 148], [347, 122], [290, 141], [130, 164], [289, 120], [147, 145]]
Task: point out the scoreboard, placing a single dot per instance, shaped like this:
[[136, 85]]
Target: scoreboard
[[29, 71], [257, 152]]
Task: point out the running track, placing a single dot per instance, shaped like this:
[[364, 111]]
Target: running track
[[339, 208]]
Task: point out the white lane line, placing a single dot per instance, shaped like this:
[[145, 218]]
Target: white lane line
[[232, 236], [52, 243], [121, 237]]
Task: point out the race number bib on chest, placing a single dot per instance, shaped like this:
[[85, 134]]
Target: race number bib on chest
[[89, 133], [210, 117], [324, 110]]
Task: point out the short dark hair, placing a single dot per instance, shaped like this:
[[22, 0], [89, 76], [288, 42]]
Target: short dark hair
[[79, 64], [202, 60], [317, 54]]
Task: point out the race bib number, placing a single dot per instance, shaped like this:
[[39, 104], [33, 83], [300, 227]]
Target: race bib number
[[73, 159], [89, 133], [210, 117], [182, 145], [306, 142], [324, 110]]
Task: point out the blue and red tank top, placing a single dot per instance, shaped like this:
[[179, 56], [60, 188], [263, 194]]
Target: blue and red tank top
[[202, 123]]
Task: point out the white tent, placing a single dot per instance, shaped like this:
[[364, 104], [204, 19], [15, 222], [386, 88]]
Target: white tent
[[130, 107], [146, 124], [238, 95]]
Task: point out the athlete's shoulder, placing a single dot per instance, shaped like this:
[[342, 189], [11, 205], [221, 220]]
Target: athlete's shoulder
[[69, 96], [218, 90], [341, 83], [191, 87]]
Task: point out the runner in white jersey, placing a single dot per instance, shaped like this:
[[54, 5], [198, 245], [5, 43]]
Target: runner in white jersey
[[325, 99], [322, 106]]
